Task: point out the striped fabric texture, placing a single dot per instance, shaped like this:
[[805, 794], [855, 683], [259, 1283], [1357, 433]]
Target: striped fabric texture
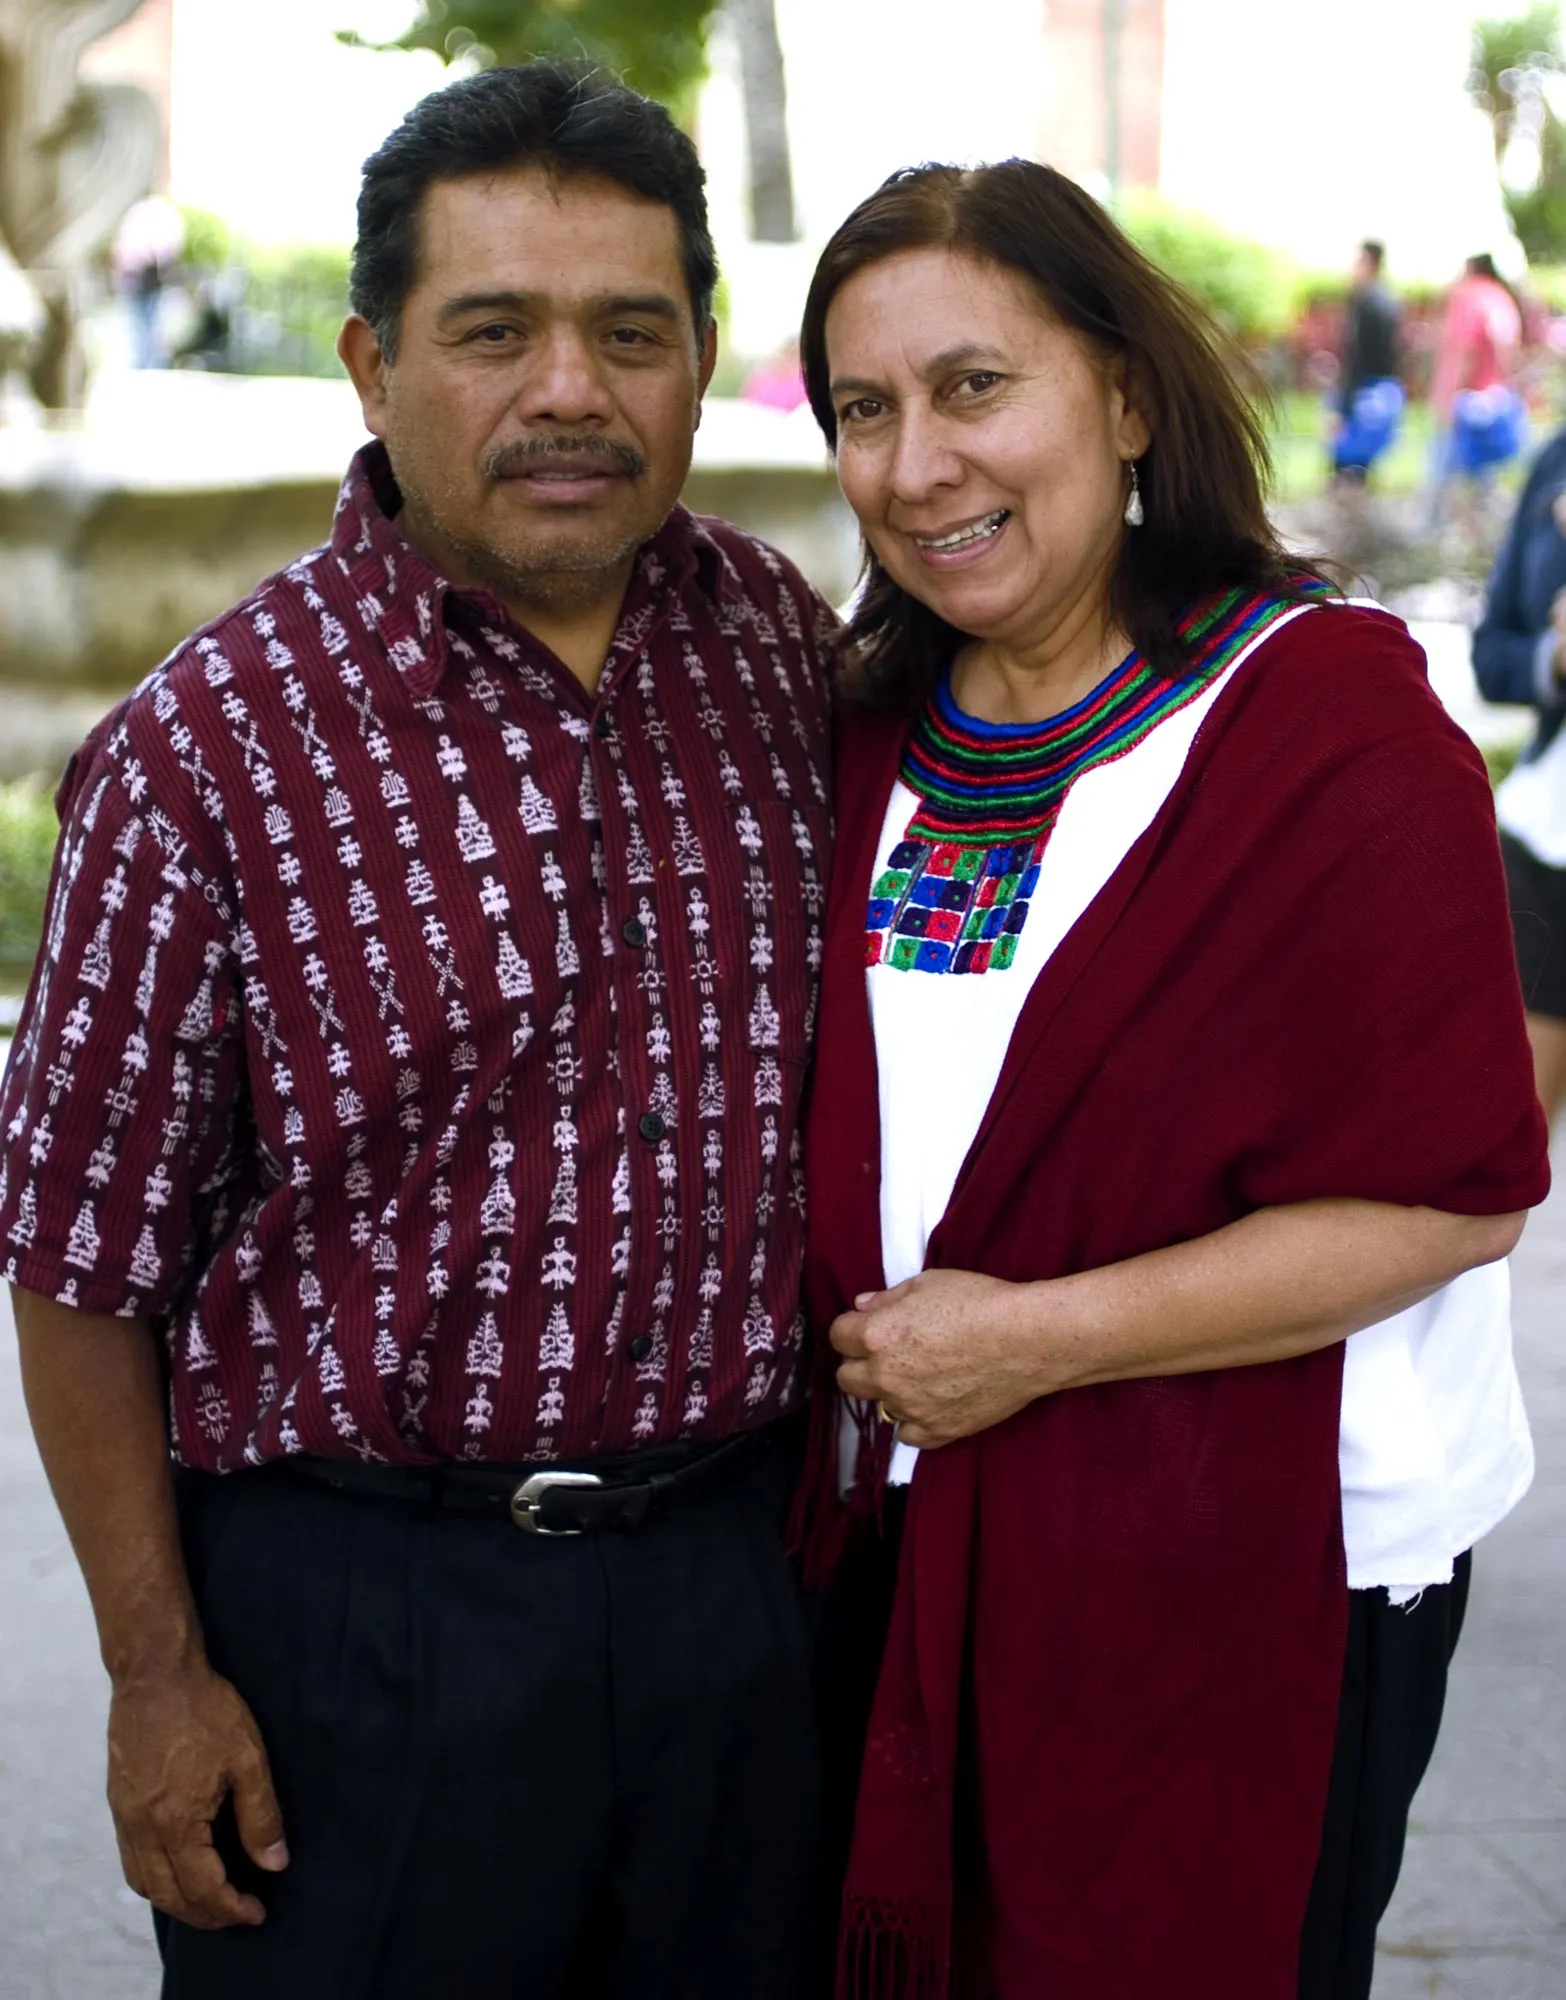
[[955, 893]]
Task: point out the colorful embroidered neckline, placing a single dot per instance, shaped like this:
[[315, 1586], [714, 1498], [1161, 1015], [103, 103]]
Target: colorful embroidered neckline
[[956, 889]]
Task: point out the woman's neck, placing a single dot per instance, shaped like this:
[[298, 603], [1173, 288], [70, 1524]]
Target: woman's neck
[[997, 682]]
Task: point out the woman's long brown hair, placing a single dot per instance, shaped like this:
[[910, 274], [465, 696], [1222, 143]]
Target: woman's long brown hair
[[1204, 474]]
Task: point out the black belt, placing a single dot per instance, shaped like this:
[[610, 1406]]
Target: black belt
[[619, 1492]]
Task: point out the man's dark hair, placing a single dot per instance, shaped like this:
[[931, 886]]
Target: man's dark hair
[[1203, 474], [1376, 252], [567, 118]]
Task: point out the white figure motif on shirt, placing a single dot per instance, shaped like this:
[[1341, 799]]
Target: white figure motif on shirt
[[316, 910]]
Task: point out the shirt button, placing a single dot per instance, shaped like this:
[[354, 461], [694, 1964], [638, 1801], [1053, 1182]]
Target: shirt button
[[634, 931], [603, 728], [640, 1347], [651, 1127]]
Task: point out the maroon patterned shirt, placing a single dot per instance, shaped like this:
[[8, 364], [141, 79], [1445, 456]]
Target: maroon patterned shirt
[[418, 1038]]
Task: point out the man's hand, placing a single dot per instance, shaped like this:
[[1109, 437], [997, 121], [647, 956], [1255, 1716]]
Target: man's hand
[[1558, 626], [180, 1741], [946, 1352]]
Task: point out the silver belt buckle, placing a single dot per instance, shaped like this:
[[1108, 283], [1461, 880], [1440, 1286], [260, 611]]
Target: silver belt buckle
[[524, 1502]]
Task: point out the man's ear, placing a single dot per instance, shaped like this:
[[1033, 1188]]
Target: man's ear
[[360, 351], [709, 361]]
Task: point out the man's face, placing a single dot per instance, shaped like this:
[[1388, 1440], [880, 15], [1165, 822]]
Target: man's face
[[546, 387]]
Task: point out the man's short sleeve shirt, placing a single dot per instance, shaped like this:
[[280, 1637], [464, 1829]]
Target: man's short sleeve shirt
[[421, 1040]]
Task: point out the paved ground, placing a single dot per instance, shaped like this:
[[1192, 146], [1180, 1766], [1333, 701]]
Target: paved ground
[[1480, 1914]]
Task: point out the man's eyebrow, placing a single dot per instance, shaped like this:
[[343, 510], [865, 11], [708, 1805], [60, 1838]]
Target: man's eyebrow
[[647, 305], [472, 302], [963, 355]]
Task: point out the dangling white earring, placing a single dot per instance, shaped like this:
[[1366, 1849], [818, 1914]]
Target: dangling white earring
[[1134, 516]]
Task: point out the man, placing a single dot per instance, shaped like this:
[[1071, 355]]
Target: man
[[1370, 395], [411, 1076]]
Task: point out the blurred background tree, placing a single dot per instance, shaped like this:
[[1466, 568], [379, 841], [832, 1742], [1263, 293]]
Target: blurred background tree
[[1252, 289], [658, 46], [1513, 66], [762, 82]]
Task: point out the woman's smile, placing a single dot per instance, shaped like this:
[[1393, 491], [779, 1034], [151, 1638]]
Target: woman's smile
[[953, 386], [970, 542]]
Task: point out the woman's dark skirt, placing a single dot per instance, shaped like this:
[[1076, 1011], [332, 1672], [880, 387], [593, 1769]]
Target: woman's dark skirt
[[1538, 898]]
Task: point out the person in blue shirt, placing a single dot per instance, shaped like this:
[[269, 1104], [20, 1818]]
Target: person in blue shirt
[[1519, 655]]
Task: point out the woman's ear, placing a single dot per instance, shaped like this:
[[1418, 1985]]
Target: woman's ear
[[1133, 432]]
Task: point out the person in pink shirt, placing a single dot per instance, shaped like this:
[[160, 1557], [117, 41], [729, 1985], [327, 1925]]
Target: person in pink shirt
[[777, 382], [1480, 420]]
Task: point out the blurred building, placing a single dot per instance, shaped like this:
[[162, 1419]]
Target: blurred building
[[1305, 128], [1102, 98]]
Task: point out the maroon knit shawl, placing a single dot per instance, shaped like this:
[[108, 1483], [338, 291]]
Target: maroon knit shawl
[[1299, 983]]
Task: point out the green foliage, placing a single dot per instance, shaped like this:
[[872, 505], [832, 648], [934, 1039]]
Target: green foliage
[[1548, 281], [1296, 435], [288, 301], [1510, 60], [1500, 759], [1499, 51], [28, 832], [1539, 217], [658, 46], [294, 302], [1250, 289], [209, 242]]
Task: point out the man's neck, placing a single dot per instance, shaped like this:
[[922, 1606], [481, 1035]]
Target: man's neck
[[573, 613], [579, 635]]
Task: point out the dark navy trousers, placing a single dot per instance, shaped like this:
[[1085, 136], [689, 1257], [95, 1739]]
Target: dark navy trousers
[[511, 1767]]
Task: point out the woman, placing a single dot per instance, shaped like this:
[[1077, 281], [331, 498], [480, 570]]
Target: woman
[[1520, 656], [1481, 422], [1169, 1036]]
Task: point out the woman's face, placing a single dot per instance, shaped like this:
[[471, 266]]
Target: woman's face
[[980, 445]]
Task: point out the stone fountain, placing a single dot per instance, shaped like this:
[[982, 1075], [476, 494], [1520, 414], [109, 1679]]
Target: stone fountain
[[144, 503], [73, 157]]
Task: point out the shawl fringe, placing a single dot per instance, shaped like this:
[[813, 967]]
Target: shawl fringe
[[890, 1951]]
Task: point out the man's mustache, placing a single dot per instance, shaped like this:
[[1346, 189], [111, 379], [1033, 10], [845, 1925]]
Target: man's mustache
[[564, 453]]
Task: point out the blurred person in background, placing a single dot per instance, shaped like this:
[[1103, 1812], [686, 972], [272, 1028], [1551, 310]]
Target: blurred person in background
[[1172, 1110], [1520, 656], [1480, 419], [776, 382], [401, 1131], [147, 247], [208, 342], [1369, 400]]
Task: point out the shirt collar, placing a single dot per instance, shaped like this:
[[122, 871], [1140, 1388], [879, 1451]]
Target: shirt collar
[[404, 600]]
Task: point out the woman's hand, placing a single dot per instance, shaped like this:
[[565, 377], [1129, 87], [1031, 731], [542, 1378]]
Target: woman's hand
[[948, 1352]]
